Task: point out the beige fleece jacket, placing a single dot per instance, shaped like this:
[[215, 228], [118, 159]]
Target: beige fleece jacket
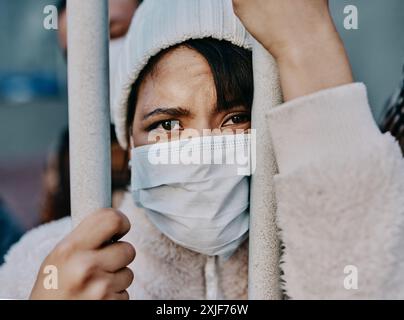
[[340, 207]]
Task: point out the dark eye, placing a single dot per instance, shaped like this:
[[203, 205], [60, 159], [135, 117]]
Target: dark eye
[[169, 125], [237, 119]]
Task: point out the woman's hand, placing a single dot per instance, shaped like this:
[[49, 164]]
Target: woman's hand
[[90, 262], [283, 26], [303, 39]]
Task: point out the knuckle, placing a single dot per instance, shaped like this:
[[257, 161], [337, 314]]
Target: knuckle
[[84, 269], [64, 250], [88, 265], [115, 221], [131, 276], [77, 283], [130, 250], [113, 218]]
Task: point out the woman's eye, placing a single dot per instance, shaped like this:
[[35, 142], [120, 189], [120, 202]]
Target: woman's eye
[[169, 125], [237, 119]]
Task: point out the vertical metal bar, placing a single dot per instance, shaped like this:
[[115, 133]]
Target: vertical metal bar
[[263, 269], [89, 116]]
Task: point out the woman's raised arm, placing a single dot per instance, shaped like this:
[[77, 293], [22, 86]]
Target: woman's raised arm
[[303, 39], [340, 187]]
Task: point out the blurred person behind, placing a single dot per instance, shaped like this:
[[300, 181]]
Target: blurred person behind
[[120, 17], [56, 183], [55, 202], [10, 231]]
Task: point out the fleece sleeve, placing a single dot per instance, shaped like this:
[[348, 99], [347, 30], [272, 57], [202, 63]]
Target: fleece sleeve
[[24, 259], [340, 196]]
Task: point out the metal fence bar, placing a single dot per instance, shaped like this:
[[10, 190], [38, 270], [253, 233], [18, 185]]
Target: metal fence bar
[[89, 116], [263, 269]]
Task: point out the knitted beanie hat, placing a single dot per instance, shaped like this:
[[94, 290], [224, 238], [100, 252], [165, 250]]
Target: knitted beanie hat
[[160, 24]]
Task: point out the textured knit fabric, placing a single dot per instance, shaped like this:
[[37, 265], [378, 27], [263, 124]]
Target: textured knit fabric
[[340, 195], [160, 24], [340, 203]]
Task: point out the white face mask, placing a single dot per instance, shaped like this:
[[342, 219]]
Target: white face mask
[[192, 194]]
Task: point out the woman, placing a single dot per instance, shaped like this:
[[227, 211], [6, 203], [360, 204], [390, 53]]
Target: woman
[[339, 187]]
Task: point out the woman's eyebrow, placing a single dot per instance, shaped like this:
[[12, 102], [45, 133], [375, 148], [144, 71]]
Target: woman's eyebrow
[[234, 106], [175, 112]]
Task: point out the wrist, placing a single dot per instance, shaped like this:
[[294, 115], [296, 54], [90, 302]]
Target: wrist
[[301, 37], [313, 65]]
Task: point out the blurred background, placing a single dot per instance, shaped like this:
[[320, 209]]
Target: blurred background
[[33, 103], [33, 93]]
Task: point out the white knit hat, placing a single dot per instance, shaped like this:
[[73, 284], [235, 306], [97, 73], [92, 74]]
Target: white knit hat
[[160, 24]]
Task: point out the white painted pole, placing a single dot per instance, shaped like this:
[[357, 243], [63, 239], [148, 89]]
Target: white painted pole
[[263, 269], [89, 116]]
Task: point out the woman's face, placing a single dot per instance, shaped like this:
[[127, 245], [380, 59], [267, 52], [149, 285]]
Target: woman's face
[[180, 94]]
